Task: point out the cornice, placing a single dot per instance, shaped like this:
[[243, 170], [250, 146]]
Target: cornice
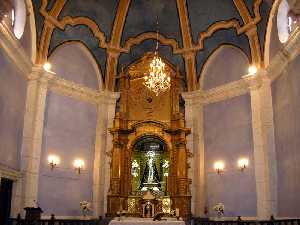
[[288, 53], [72, 89], [9, 173], [226, 91], [14, 50], [223, 92]]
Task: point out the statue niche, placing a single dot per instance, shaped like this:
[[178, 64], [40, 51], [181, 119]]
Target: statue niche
[[149, 145], [150, 166]]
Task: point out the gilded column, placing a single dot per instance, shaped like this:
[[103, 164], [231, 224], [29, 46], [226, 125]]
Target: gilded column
[[181, 196], [32, 135]]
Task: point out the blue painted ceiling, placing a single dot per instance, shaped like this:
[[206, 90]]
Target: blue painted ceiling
[[141, 17]]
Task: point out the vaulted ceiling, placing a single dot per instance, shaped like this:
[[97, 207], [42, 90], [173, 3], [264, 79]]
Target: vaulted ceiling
[[118, 32]]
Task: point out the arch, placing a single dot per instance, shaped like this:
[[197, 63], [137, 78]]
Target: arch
[[32, 25], [218, 57], [270, 27], [149, 135], [78, 53], [151, 35]]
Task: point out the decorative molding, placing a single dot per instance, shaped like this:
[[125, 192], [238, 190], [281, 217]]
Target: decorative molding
[[114, 45], [151, 35], [223, 92], [190, 57], [9, 173], [74, 90], [288, 53], [269, 28], [14, 50], [48, 28], [251, 24]]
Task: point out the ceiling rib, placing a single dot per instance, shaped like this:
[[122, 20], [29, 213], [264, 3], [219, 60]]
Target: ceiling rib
[[112, 54], [189, 57]]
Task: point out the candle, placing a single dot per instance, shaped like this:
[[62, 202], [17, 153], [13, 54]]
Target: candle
[[177, 212]]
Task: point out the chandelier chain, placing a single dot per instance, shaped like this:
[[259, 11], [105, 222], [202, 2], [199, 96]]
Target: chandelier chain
[[158, 80]]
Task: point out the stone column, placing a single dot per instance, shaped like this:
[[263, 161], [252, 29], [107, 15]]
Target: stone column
[[106, 112], [264, 146], [195, 143], [110, 103], [32, 135], [98, 181]]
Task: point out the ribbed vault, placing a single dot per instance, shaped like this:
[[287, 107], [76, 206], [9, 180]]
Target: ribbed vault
[[119, 32]]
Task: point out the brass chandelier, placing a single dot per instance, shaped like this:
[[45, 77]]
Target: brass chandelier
[[158, 80]]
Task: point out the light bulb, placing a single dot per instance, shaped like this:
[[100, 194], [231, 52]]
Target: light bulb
[[78, 164], [252, 70], [47, 66], [219, 166], [243, 163], [53, 161]]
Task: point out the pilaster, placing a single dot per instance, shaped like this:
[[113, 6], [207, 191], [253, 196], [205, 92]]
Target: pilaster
[[264, 146], [106, 111], [32, 135], [195, 143]]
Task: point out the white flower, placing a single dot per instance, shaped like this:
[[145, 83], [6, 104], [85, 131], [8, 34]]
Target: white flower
[[85, 206], [219, 208]]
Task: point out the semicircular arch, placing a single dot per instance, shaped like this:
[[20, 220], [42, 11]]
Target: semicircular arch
[[82, 66], [226, 64]]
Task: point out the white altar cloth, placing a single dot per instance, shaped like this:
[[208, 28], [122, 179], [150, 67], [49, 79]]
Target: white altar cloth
[[143, 221]]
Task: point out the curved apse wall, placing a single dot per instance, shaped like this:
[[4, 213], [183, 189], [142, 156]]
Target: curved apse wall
[[69, 132], [228, 137], [81, 67], [225, 65], [12, 109], [286, 101]]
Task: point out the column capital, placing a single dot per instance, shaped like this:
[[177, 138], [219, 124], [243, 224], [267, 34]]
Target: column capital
[[108, 97], [254, 82], [193, 97]]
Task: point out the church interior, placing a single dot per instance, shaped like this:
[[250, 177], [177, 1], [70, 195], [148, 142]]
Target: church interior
[[136, 110]]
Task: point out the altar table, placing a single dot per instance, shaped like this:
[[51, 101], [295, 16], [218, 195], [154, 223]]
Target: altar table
[[143, 221]]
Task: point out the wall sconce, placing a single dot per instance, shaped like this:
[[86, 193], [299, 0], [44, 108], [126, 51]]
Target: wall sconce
[[53, 161], [252, 70], [78, 164], [243, 164], [219, 166]]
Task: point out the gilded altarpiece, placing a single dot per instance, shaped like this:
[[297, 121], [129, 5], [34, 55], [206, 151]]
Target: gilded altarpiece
[[143, 114]]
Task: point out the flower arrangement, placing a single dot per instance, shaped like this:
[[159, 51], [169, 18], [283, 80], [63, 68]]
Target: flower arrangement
[[85, 207], [219, 208]]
